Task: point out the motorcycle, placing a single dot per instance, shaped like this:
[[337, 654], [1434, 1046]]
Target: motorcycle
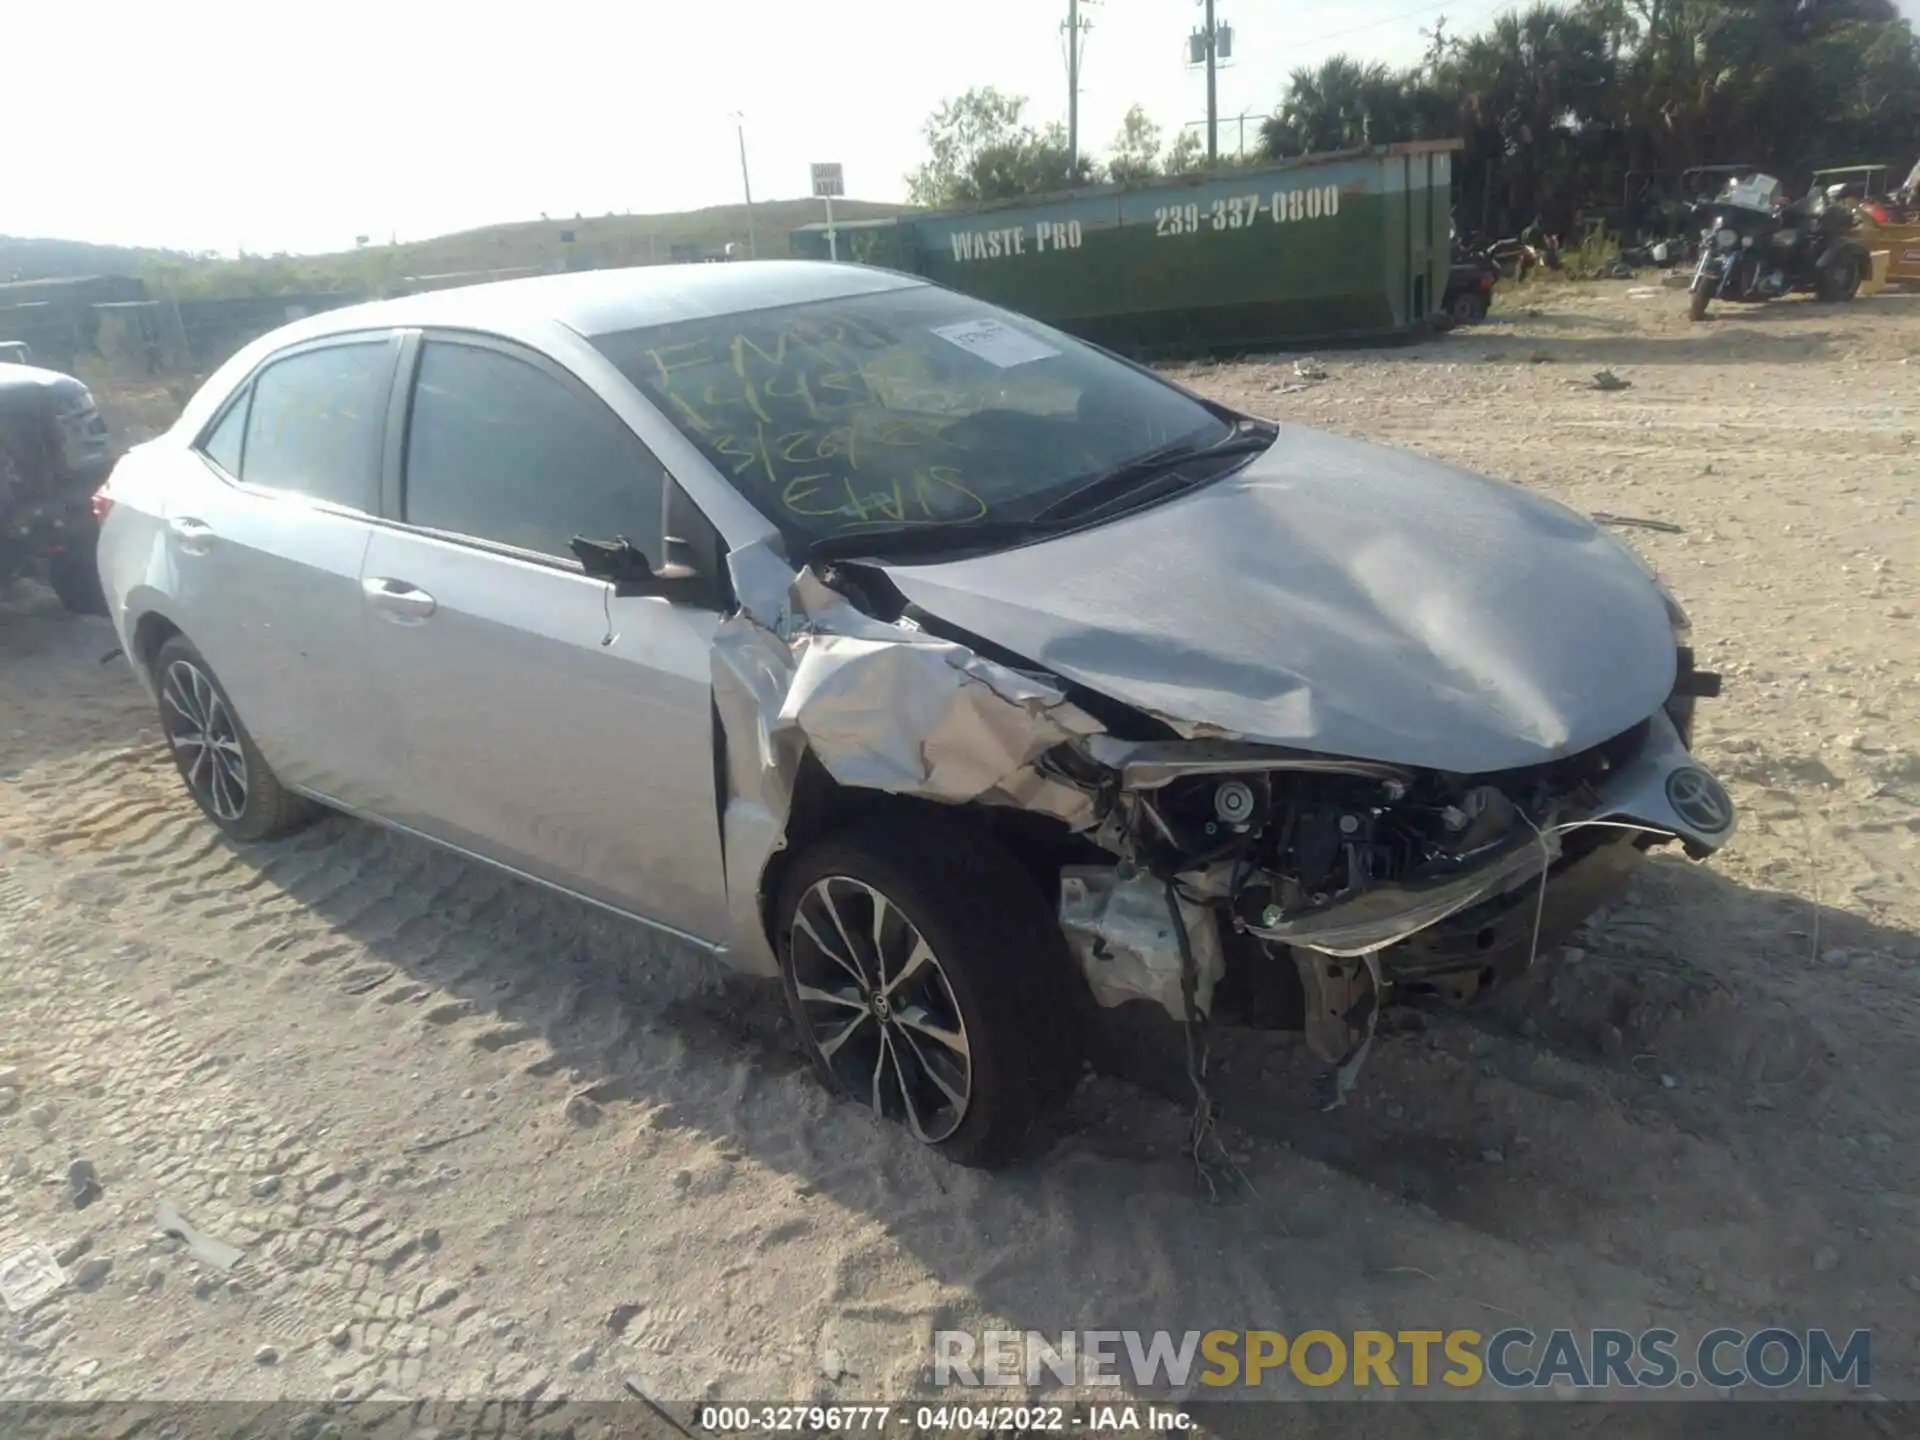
[[1471, 276], [1752, 248]]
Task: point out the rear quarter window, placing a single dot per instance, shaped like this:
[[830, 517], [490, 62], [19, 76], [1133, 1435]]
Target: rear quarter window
[[223, 444]]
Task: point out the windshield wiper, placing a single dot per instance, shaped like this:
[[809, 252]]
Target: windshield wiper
[[933, 540], [930, 539], [1131, 478]]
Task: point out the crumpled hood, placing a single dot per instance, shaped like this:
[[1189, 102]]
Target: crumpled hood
[[1340, 597]]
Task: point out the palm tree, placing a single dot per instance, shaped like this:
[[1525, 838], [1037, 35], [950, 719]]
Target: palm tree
[[1338, 106]]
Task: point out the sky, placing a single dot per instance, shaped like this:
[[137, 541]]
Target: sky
[[216, 125]]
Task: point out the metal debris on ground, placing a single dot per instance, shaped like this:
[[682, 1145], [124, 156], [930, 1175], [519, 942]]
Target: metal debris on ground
[[1634, 522], [1309, 369], [28, 1276], [1607, 380], [208, 1251], [636, 1386], [425, 1144]]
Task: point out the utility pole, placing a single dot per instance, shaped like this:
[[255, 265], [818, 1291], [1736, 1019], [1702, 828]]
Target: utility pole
[[1074, 27], [746, 183], [1208, 46], [1213, 97]]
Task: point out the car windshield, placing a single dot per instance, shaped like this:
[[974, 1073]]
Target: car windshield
[[914, 407]]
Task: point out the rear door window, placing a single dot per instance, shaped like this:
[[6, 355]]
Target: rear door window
[[316, 423], [502, 450]]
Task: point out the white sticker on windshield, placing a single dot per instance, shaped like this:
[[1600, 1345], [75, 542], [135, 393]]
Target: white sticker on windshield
[[995, 343]]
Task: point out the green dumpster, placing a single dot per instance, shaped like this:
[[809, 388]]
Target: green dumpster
[[1345, 246]]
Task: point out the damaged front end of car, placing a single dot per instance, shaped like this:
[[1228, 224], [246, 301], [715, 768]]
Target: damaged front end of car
[[1212, 876]]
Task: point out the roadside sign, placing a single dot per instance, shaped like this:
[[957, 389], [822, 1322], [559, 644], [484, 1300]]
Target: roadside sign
[[829, 181]]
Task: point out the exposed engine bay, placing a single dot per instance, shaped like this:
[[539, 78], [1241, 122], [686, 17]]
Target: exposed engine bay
[[1197, 871], [1299, 858]]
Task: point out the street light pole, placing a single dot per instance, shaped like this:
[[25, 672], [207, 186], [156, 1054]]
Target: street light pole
[[746, 183]]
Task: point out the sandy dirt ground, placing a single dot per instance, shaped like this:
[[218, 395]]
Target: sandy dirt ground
[[477, 1140]]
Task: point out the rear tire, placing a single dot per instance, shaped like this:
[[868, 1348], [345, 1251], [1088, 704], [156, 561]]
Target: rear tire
[[223, 769], [1840, 282], [1468, 308], [75, 577], [963, 1021], [1698, 299]]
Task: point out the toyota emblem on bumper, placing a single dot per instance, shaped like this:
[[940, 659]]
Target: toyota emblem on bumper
[[1699, 799]]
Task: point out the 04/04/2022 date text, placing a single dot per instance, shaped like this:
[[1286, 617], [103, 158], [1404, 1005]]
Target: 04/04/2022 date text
[[1237, 212]]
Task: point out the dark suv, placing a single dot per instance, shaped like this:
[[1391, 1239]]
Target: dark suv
[[54, 453]]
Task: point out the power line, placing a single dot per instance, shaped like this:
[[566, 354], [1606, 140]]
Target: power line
[[1403, 15]]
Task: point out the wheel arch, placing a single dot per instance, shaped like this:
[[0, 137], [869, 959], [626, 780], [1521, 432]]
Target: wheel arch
[[145, 637], [822, 806]]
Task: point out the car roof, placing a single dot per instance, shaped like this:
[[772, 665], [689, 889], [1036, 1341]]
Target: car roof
[[598, 302], [38, 376]]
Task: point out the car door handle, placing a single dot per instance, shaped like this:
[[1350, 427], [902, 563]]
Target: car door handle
[[193, 536], [398, 599]]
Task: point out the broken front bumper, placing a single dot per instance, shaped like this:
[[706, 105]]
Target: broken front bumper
[[1482, 926]]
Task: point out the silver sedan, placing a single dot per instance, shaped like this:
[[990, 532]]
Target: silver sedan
[[963, 676]]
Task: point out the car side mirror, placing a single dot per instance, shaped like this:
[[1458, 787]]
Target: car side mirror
[[625, 566]]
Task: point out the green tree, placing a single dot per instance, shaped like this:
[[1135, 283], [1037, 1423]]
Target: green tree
[[1185, 155], [979, 148], [1340, 105], [1558, 102], [1136, 149]]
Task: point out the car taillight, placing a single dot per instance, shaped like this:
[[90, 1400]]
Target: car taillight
[[102, 502]]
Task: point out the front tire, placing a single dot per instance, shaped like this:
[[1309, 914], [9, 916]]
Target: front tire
[[223, 769], [1698, 299], [928, 978], [1840, 282]]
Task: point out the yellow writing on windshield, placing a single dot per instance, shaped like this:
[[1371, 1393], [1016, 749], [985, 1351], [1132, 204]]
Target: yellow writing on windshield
[[806, 410], [937, 495]]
